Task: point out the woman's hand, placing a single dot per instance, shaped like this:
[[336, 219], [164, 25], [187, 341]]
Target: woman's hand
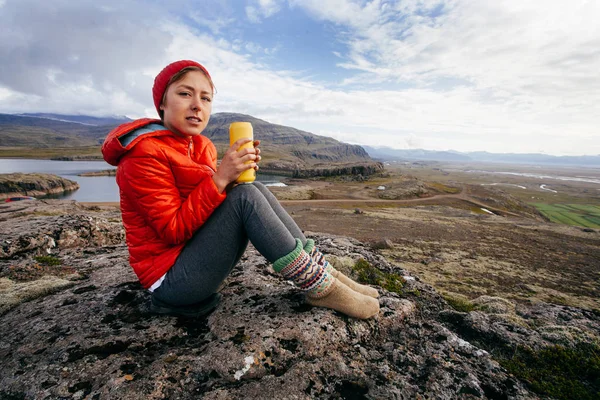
[[234, 163], [258, 157]]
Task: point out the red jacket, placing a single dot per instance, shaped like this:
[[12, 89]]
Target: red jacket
[[166, 188]]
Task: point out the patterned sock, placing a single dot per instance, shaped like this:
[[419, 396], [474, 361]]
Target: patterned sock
[[309, 276], [319, 258], [321, 287], [315, 254]]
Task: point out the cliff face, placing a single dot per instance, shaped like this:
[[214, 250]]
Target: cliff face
[[355, 169], [75, 324], [35, 185]]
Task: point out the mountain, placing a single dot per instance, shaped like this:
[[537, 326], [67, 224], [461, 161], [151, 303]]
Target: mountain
[[388, 154], [285, 149], [82, 119], [291, 149], [38, 132]]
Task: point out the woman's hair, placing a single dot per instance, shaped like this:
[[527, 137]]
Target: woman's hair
[[179, 76]]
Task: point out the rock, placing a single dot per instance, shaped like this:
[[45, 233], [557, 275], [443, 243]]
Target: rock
[[355, 169], [404, 190], [383, 244], [358, 211], [35, 185], [97, 338]]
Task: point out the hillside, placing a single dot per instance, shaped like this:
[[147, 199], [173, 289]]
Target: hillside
[[285, 150], [289, 149], [388, 154], [81, 119], [37, 132]]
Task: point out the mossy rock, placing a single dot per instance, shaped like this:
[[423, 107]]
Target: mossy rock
[[494, 305], [566, 335], [14, 293], [366, 273], [343, 264], [459, 302]]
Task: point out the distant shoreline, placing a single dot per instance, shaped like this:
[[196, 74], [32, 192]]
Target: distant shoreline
[[105, 172], [84, 153]]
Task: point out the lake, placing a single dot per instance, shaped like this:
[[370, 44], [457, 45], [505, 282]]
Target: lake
[[91, 188]]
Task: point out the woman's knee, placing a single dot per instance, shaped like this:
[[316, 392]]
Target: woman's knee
[[259, 185], [243, 194]]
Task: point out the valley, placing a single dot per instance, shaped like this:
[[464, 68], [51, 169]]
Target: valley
[[439, 230]]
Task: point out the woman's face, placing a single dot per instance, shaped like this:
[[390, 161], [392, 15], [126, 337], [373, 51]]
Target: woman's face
[[187, 105]]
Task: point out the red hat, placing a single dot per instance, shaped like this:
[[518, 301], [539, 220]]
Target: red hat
[[162, 79]]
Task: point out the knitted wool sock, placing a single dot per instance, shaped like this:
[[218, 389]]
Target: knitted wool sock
[[319, 258], [321, 287], [309, 276]]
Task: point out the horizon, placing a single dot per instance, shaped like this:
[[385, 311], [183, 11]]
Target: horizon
[[376, 147], [447, 75]]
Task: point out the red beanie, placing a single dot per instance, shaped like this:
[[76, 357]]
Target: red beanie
[[162, 79]]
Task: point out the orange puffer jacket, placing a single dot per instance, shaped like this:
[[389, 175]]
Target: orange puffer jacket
[[166, 188]]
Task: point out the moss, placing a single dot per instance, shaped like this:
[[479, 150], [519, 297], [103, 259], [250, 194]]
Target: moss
[[393, 283], [460, 304], [14, 293], [48, 260], [44, 265], [557, 371], [366, 273]]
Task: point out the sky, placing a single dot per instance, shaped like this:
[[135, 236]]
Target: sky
[[466, 75]]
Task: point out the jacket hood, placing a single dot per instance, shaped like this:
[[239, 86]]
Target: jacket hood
[[122, 139]]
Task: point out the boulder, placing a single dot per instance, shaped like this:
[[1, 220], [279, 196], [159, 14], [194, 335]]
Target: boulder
[[92, 336], [36, 185]]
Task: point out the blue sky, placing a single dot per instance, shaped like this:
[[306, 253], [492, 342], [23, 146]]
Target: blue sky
[[466, 75]]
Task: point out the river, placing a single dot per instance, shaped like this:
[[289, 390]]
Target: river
[[91, 188]]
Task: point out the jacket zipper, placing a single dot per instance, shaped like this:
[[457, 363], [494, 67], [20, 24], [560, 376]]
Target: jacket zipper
[[190, 149]]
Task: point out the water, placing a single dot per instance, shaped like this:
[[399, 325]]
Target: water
[[91, 188], [587, 179]]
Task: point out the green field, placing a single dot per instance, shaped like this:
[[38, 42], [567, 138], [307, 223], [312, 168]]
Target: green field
[[571, 214]]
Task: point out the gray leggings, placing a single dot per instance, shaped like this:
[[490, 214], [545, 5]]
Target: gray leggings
[[250, 212]]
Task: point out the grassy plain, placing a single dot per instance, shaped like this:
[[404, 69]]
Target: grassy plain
[[565, 195], [440, 232], [571, 214]]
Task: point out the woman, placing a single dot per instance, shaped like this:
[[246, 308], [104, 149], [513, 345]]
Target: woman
[[187, 223]]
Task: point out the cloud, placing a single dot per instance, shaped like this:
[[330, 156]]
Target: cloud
[[269, 7], [413, 141], [534, 65], [510, 46], [253, 14], [216, 25], [55, 50], [462, 75], [262, 9]]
